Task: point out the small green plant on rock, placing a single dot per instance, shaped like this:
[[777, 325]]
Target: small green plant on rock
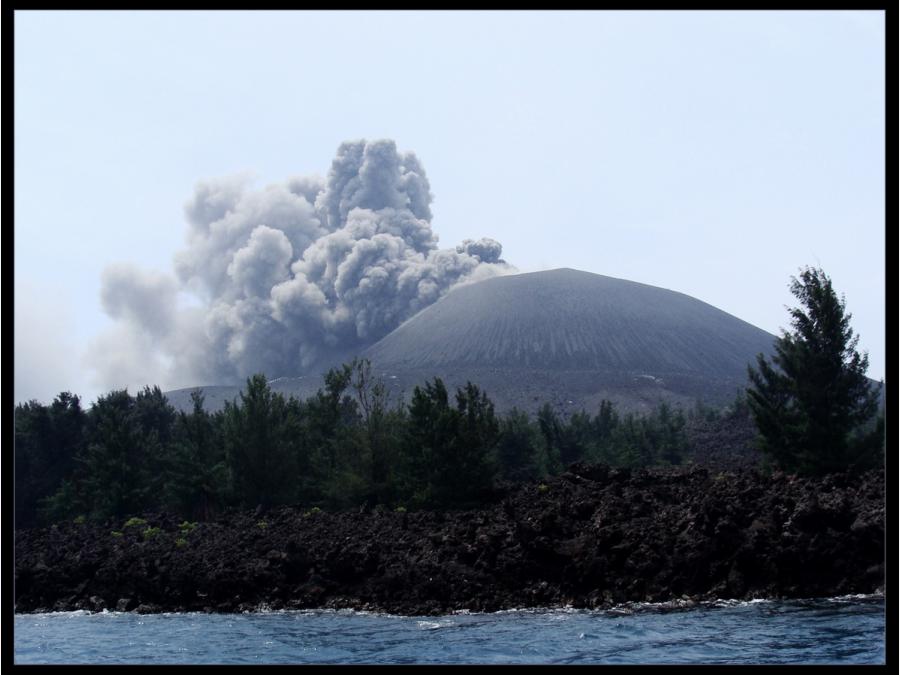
[[116, 533], [151, 532], [133, 522], [542, 488], [79, 520], [180, 542], [262, 525], [186, 527], [400, 509]]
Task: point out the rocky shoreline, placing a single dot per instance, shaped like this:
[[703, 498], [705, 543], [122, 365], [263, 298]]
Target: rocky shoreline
[[593, 537]]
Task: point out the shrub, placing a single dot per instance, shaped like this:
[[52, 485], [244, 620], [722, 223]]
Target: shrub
[[151, 532]]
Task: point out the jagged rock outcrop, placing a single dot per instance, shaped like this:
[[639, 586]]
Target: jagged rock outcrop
[[592, 537]]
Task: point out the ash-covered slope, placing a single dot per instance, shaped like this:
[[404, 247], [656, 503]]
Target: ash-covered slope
[[571, 339], [569, 320], [563, 337]]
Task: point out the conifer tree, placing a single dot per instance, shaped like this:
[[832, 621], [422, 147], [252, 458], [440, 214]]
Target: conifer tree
[[449, 449], [258, 453], [813, 405], [47, 440], [114, 476], [196, 474], [517, 447]]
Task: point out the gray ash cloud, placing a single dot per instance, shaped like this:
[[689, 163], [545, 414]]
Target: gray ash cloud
[[290, 277]]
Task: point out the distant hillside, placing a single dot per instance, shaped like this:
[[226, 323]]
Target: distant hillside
[[562, 336], [567, 320], [573, 338]]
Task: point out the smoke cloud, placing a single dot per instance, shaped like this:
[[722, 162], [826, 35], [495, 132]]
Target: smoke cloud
[[291, 278]]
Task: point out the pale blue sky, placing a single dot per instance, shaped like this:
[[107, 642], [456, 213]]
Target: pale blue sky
[[712, 153]]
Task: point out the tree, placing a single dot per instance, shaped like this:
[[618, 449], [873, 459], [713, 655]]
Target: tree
[[813, 406], [114, 477], [632, 442], [372, 401], [155, 421], [259, 454], [196, 470], [47, 440], [471, 468], [429, 432], [324, 423], [449, 449], [670, 440], [517, 447]]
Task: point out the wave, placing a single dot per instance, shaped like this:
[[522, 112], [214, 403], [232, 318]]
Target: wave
[[619, 609]]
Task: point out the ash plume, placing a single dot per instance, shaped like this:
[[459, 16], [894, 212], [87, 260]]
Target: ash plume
[[290, 278]]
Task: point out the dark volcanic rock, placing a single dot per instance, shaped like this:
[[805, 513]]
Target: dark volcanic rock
[[592, 537]]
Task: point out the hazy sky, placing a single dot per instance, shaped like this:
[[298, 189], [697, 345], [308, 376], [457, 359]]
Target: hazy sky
[[711, 153]]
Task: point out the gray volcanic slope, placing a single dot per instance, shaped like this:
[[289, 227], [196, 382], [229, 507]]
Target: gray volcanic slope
[[568, 338], [572, 338], [569, 320]]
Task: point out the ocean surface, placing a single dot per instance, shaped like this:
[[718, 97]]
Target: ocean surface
[[827, 631]]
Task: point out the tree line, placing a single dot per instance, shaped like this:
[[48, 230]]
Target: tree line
[[813, 408], [343, 447]]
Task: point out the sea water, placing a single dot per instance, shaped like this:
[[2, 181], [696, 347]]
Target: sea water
[[841, 630]]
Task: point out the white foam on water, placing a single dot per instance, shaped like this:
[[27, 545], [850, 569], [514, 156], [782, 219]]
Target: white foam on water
[[435, 625], [857, 596], [560, 610]]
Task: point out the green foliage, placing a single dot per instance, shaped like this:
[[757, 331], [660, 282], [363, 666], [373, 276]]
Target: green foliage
[[151, 532], [114, 476], [120, 464], [180, 542], [259, 453], [57, 506], [342, 448], [449, 449], [376, 437], [813, 406], [324, 442], [47, 440], [197, 475], [116, 533], [705, 413], [560, 446], [658, 437], [518, 450]]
